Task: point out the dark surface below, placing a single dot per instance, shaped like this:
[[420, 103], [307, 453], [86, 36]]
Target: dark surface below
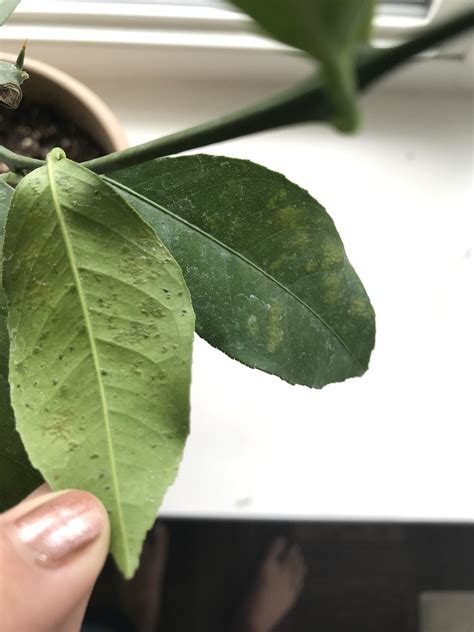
[[34, 129], [361, 577]]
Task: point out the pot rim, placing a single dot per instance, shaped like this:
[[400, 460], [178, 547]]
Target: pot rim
[[103, 114]]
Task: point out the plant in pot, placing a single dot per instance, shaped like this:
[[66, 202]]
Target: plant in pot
[[55, 110], [109, 266]]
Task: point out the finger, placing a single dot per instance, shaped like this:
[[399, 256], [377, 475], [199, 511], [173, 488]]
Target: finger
[[39, 491], [299, 584], [277, 548], [52, 548], [295, 560]]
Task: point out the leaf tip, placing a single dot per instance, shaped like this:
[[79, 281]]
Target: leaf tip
[[56, 154], [20, 60]]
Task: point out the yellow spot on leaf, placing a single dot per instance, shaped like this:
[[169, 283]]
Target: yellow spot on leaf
[[252, 325], [275, 329], [310, 266], [331, 292], [290, 217], [359, 307], [277, 199], [333, 255]]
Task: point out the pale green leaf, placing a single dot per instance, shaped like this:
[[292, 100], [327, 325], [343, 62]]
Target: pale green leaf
[[17, 476], [6, 9], [11, 78], [270, 280], [101, 328], [331, 31]]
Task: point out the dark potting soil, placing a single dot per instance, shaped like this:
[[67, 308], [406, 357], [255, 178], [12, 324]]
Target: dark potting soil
[[34, 129]]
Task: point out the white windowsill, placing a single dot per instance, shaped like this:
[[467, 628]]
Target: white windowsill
[[153, 25]]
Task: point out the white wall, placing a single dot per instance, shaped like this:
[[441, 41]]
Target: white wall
[[397, 442]]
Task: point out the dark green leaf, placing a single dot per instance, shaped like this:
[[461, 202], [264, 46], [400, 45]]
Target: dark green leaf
[[270, 280], [329, 30], [101, 328], [17, 476]]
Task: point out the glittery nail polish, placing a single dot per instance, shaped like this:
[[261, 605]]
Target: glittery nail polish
[[61, 527]]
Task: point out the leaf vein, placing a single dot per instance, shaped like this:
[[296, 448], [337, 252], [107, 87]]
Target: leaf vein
[[80, 291], [238, 255]]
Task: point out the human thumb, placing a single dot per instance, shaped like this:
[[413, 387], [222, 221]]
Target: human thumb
[[52, 548]]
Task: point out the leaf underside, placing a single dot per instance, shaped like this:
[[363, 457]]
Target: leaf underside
[[17, 476], [271, 283], [101, 328]]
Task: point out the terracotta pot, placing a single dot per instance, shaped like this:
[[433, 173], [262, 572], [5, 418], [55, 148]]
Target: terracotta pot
[[73, 99]]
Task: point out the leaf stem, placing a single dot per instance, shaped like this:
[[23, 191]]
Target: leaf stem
[[283, 109], [304, 102], [11, 178], [307, 101], [375, 66], [17, 162]]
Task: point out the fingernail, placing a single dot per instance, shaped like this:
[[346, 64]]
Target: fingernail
[[59, 528]]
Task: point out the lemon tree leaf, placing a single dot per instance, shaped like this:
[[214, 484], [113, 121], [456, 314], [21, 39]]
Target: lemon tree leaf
[[11, 78], [270, 280], [101, 327], [331, 31], [17, 476], [6, 9]]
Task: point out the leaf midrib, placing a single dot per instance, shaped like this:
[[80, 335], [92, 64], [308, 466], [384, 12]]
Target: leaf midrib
[[239, 256], [95, 356]]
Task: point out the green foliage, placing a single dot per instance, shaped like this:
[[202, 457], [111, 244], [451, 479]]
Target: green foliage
[[331, 31], [6, 9], [100, 322], [17, 476], [270, 280], [101, 327], [11, 78], [11, 75]]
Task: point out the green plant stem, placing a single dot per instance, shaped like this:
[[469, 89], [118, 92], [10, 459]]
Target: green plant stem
[[17, 162], [11, 178], [304, 102], [283, 109], [377, 65]]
